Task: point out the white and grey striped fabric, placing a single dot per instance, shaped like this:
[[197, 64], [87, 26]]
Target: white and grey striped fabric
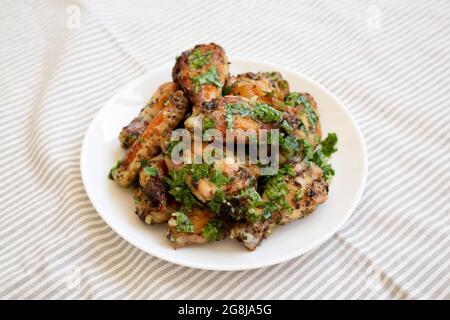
[[387, 60]]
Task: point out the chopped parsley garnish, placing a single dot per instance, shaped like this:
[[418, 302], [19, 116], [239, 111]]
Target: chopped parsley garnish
[[290, 145], [172, 145], [235, 108], [183, 223], [199, 171], [287, 170], [253, 197], [227, 90], [151, 171], [311, 114], [209, 77], [294, 99], [114, 169], [286, 126], [275, 191], [179, 189], [266, 113], [328, 146], [215, 204], [208, 123], [218, 178], [260, 111], [212, 231], [321, 155], [197, 59]]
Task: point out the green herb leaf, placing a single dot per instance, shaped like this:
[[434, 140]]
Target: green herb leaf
[[212, 231], [286, 126], [266, 113], [311, 114], [172, 145], [151, 171], [290, 145], [114, 169], [197, 59], [215, 204], [208, 123], [328, 146], [227, 90], [209, 77], [199, 171], [179, 189], [218, 178], [183, 223], [287, 170], [275, 191]]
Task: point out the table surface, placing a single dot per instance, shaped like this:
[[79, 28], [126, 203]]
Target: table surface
[[388, 61]]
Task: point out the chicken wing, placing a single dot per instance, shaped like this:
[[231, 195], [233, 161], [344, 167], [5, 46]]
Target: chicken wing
[[202, 72], [131, 132], [232, 112], [269, 87], [305, 190], [153, 202], [148, 143]]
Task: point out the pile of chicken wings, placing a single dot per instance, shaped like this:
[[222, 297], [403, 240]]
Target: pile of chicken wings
[[201, 203]]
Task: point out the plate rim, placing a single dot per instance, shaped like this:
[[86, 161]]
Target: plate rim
[[172, 259]]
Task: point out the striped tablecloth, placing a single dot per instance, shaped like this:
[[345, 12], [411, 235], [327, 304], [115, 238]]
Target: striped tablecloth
[[388, 61]]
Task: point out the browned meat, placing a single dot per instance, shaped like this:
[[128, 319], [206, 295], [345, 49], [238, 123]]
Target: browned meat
[[202, 72], [269, 87], [130, 133], [153, 202], [251, 234], [148, 144]]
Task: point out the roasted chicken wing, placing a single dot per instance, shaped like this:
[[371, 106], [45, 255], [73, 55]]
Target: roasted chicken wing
[[153, 201], [148, 144], [131, 132], [202, 72]]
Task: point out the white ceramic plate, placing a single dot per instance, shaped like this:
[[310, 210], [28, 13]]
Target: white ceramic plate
[[101, 149]]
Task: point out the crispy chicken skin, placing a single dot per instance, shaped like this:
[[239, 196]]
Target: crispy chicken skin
[[269, 87], [153, 202], [199, 217], [148, 144], [131, 132], [202, 72]]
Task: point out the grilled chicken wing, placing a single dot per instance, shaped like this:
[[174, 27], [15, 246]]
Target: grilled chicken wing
[[148, 144], [232, 112], [269, 87], [131, 132], [201, 72], [153, 202], [305, 191], [195, 227]]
